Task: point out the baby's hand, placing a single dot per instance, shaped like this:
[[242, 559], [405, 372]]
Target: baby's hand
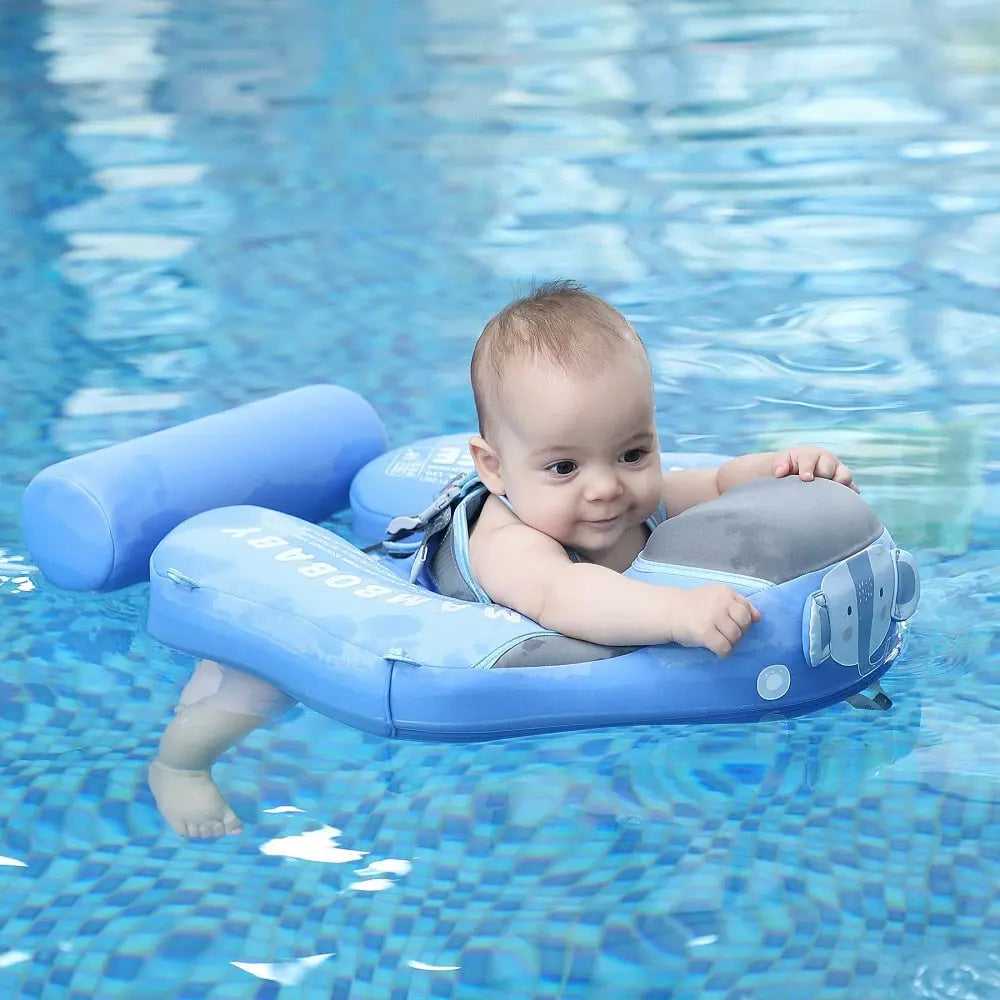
[[809, 462], [715, 617]]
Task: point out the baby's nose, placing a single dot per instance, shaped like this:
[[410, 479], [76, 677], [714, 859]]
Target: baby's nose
[[603, 486]]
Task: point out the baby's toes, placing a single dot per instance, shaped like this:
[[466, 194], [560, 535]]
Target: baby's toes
[[231, 823], [179, 827]]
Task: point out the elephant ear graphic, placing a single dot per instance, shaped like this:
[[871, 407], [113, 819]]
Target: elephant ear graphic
[[816, 630], [907, 585]]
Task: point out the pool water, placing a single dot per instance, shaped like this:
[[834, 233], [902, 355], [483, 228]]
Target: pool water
[[798, 206]]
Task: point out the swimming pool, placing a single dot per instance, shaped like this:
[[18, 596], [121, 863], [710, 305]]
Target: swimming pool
[[799, 209]]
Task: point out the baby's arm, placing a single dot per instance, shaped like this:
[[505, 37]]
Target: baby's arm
[[217, 708], [526, 570], [686, 487]]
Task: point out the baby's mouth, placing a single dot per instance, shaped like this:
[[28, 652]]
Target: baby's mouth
[[604, 521]]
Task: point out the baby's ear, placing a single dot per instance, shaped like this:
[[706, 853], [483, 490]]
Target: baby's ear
[[487, 463]]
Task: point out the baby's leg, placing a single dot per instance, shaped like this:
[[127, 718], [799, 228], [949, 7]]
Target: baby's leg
[[218, 707]]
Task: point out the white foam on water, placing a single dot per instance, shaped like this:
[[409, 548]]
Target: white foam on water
[[314, 845], [427, 967], [372, 885], [387, 866], [285, 973]]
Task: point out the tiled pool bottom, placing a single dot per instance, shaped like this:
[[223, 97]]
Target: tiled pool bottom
[[840, 855]]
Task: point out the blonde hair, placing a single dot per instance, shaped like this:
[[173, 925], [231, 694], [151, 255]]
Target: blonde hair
[[559, 322]]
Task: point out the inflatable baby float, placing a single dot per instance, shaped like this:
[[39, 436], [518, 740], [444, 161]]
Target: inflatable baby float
[[220, 514]]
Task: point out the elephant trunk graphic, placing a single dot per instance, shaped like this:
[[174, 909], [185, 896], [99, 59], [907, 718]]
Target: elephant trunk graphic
[[863, 575]]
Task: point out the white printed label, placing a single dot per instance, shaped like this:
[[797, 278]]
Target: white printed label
[[436, 466], [333, 576]]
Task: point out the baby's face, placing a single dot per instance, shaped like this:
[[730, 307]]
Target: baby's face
[[579, 455]]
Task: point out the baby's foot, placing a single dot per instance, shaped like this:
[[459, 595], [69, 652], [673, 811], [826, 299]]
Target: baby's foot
[[191, 803]]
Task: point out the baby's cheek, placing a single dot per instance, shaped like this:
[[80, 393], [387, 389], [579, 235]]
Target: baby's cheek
[[653, 494], [559, 514], [562, 518], [546, 516]]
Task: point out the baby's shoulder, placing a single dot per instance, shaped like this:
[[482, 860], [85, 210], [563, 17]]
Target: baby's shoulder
[[512, 560], [493, 514], [498, 532], [494, 517]]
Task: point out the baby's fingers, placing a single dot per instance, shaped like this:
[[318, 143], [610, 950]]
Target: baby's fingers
[[718, 643], [730, 628], [784, 465], [826, 466], [845, 477], [741, 614], [807, 467]]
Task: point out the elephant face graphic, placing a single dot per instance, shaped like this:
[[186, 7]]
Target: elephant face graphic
[[849, 620]]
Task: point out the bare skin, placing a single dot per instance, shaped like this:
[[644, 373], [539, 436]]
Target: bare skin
[[203, 728], [190, 801]]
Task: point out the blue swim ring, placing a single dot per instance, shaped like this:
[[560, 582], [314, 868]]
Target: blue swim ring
[[345, 632]]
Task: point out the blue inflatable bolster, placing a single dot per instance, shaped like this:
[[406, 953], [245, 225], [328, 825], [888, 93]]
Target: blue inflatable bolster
[[91, 522]]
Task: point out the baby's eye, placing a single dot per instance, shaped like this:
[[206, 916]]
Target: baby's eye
[[563, 468], [634, 455]]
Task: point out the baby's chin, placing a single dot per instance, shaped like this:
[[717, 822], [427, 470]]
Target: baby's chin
[[599, 535], [596, 536]]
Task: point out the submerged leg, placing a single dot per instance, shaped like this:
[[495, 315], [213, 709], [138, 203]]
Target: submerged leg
[[218, 707]]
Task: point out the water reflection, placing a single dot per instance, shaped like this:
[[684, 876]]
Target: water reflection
[[141, 219]]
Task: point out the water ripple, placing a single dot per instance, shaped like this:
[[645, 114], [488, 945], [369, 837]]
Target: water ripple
[[956, 975]]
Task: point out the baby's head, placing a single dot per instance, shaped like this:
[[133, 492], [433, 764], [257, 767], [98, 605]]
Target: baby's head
[[566, 425]]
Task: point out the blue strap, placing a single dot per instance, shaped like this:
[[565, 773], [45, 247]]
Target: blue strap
[[400, 540], [448, 509], [657, 517], [463, 557]]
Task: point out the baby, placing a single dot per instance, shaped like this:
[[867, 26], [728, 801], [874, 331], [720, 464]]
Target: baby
[[568, 449]]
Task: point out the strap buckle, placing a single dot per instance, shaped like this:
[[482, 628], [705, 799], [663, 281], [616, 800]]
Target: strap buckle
[[398, 541]]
